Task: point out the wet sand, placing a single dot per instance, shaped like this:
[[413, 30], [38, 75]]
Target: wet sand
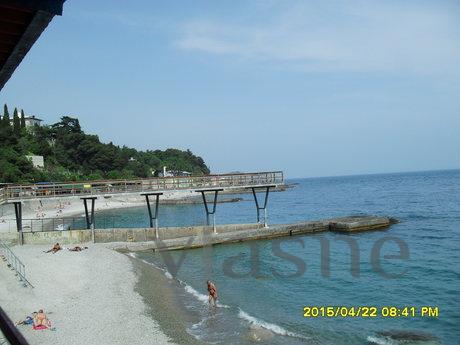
[[158, 295]]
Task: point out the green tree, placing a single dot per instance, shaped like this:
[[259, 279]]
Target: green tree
[[6, 116], [23, 119], [71, 154], [6, 131], [16, 123]]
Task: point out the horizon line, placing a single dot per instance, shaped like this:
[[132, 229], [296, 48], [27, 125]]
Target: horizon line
[[379, 173]]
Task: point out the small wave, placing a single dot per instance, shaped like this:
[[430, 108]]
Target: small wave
[[396, 337], [167, 274], [165, 271], [200, 337], [270, 326], [199, 324], [380, 341], [201, 297]]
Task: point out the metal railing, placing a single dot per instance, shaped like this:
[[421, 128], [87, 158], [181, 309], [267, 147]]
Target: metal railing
[[14, 263], [79, 223], [30, 191], [3, 197], [48, 224]]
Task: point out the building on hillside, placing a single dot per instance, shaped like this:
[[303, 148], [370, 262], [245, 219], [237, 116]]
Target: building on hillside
[[30, 121], [173, 173], [37, 161]]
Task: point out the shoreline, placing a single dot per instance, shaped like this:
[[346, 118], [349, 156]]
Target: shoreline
[[65, 288], [157, 295], [183, 311]]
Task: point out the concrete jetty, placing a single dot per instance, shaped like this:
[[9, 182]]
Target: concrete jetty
[[173, 238]]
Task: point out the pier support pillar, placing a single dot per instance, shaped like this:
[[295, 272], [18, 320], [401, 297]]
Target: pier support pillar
[[90, 216], [153, 218], [264, 207], [205, 202], [18, 213]]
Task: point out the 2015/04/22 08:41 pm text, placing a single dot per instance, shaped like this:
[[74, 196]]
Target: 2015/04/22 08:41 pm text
[[370, 311]]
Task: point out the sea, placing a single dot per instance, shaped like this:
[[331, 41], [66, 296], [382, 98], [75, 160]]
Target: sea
[[278, 291]]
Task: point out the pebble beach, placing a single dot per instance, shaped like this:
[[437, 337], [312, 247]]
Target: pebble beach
[[90, 297]]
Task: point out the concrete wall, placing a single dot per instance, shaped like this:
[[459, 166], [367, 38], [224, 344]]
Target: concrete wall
[[198, 236], [129, 234], [62, 237]]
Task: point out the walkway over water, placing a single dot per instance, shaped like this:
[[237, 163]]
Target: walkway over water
[[12, 193]]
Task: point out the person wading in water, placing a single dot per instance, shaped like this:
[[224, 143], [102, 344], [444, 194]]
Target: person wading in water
[[212, 290]]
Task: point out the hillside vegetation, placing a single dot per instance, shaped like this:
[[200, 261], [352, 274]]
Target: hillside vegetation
[[70, 154]]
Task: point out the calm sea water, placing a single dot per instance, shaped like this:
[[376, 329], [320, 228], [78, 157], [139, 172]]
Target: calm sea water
[[268, 304]]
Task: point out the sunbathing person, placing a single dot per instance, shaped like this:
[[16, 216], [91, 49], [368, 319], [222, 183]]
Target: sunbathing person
[[55, 249], [41, 320], [77, 249], [29, 320]]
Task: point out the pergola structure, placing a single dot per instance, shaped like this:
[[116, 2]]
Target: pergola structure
[[21, 24]]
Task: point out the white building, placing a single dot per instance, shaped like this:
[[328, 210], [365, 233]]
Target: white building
[[173, 173], [37, 161], [30, 121]]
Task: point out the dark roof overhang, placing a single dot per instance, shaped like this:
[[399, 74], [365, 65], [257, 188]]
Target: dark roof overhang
[[21, 24]]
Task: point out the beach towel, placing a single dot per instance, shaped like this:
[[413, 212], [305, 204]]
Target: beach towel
[[39, 328], [42, 327]]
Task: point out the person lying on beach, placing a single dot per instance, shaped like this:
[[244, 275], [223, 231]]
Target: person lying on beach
[[55, 249], [212, 290], [77, 249], [41, 319], [29, 320]]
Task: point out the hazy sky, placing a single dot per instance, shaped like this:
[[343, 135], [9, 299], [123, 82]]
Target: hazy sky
[[313, 88]]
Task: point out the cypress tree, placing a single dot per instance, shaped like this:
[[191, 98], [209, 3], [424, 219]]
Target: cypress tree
[[23, 119], [6, 116], [16, 123]]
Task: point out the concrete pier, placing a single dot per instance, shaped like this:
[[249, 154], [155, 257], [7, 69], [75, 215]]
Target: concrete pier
[[173, 238]]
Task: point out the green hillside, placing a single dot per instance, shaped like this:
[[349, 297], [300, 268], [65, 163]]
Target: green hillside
[[70, 154]]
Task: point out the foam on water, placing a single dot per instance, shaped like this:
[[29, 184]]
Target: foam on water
[[201, 297], [165, 271], [380, 341], [270, 326], [385, 340]]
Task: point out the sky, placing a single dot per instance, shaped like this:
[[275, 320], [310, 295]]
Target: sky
[[313, 88]]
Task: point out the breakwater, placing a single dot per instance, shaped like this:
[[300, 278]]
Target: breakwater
[[172, 238]]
